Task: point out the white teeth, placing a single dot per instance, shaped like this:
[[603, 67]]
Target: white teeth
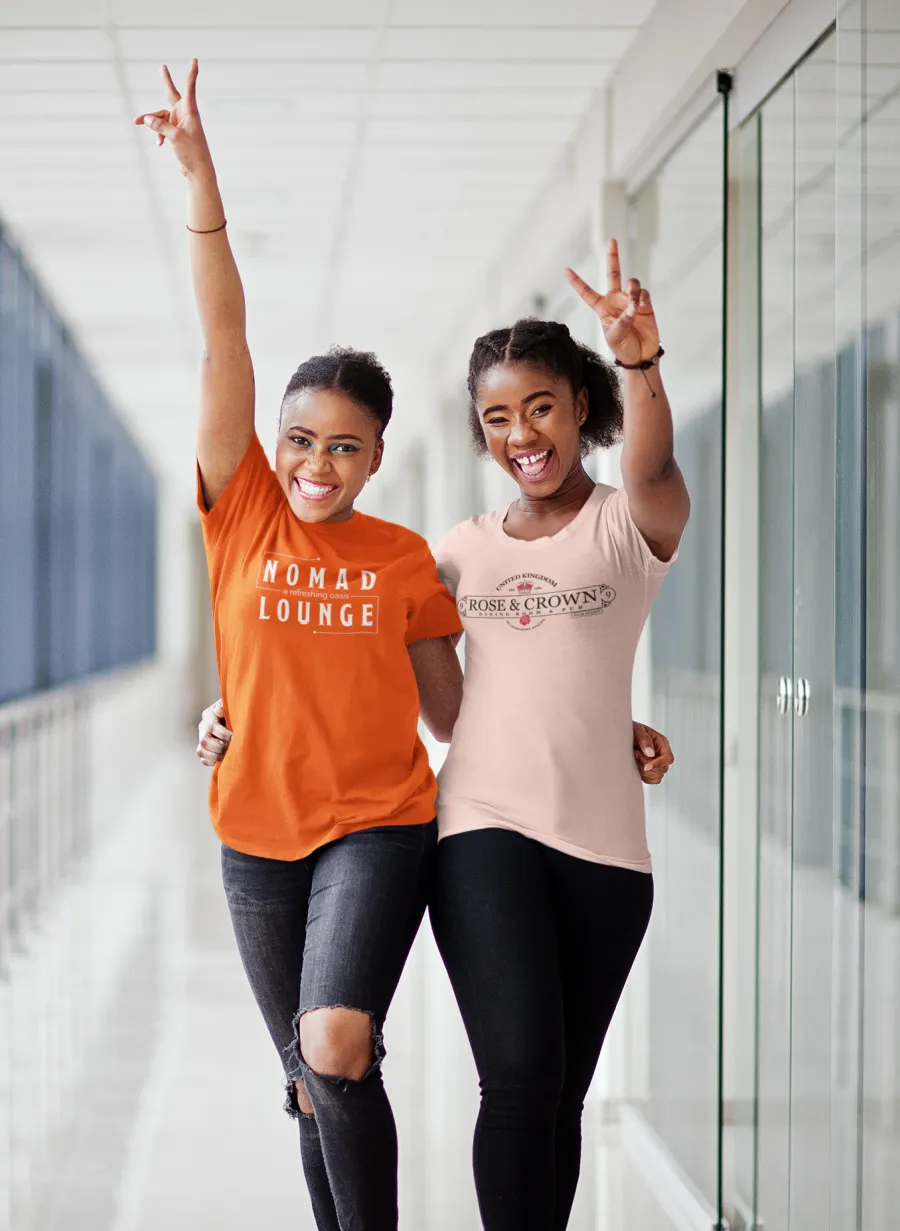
[[532, 458], [314, 489]]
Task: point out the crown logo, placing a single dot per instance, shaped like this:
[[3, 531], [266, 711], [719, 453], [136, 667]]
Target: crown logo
[[524, 585]]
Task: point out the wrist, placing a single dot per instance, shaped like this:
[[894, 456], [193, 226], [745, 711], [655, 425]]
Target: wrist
[[639, 380], [643, 365]]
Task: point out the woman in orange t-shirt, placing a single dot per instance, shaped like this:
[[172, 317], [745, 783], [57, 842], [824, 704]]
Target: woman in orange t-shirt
[[328, 835]]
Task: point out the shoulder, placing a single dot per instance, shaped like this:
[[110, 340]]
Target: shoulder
[[467, 533], [604, 492], [610, 504], [462, 542], [395, 541]]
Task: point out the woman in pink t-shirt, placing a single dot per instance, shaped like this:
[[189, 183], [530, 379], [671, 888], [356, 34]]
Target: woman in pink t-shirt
[[544, 890]]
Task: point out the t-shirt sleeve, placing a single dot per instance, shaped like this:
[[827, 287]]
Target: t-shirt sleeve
[[252, 491], [633, 550], [431, 608]]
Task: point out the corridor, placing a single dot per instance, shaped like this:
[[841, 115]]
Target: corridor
[[171, 1092], [404, 177]]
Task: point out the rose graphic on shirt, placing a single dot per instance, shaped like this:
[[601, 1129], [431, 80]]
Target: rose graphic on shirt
[[527, 600]]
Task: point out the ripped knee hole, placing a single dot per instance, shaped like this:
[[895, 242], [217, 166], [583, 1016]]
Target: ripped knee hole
[[337, 1041]]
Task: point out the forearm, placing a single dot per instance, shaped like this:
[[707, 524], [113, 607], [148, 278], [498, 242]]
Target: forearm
[[440, 706], [648, 444], [657, 495], [218, 291], [440, 682]]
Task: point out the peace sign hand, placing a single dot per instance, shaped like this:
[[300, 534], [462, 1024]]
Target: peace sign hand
[[179, 123], [629, 324]]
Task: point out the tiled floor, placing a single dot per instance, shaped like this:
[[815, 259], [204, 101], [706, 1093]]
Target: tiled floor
[[145, 1091]]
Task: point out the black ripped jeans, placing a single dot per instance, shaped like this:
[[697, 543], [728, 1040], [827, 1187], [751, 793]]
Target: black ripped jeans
[[538, 946], [335, 930]]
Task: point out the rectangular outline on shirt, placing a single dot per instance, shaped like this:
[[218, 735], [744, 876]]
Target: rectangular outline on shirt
[[538, 615], [280, 555], [352, 632]]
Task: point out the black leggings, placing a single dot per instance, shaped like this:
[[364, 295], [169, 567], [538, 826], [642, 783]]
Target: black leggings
[[538, 946]]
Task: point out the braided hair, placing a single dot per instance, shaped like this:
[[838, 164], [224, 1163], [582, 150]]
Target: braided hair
[[358, 374], [550, 345]]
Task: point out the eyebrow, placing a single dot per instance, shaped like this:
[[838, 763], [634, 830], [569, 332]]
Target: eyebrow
[[306, 431], [541, 393]]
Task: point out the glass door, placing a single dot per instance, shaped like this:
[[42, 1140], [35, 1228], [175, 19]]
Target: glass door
[[776, 178], [814, 910], [803, 1178]]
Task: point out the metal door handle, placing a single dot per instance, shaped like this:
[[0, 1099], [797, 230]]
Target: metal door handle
[[785, 693], [801, 698]]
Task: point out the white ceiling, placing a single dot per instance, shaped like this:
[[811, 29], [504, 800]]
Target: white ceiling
[[372, 157]]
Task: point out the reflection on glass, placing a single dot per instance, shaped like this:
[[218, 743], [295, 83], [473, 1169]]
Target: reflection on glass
[[677, 240], [880, 1103]]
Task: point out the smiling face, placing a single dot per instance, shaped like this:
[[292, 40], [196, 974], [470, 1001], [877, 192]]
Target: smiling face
[[531, 420], [328, 446]]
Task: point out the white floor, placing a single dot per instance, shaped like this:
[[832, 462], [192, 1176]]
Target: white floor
[[145, 1094]]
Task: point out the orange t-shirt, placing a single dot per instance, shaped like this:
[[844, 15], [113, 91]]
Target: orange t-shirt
[[312, 627]]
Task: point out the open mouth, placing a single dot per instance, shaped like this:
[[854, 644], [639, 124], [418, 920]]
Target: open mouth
[[314, 491], [534, 467]]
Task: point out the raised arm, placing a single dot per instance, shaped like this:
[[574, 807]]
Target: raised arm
[[657, 496], [227, 395]]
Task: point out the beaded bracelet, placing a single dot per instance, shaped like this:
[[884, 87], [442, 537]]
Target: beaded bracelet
[[643, 367]]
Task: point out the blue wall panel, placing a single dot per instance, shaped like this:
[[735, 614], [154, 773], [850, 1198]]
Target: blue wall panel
[[77, 506]]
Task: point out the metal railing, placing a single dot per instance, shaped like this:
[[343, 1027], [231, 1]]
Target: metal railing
[[44, 805]]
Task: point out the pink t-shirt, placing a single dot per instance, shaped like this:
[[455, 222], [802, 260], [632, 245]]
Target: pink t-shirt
[[543, 743]]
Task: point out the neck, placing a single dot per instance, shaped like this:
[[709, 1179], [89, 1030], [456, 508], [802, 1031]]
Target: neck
[[342, 515], [574, 490]]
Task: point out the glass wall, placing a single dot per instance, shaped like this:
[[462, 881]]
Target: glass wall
[[676, 246], [77, 506], [820, 165]]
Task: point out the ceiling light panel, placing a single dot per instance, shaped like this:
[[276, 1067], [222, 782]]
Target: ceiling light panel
[[62, 13], [439, 132], [293, 101], [55, 76], [85, 132], [277, 44], [326, 131], [498, 43], [482, 103], [519, 13], [56, 105], [235, 13], [38, 44], [494, 74], [249, 77]]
